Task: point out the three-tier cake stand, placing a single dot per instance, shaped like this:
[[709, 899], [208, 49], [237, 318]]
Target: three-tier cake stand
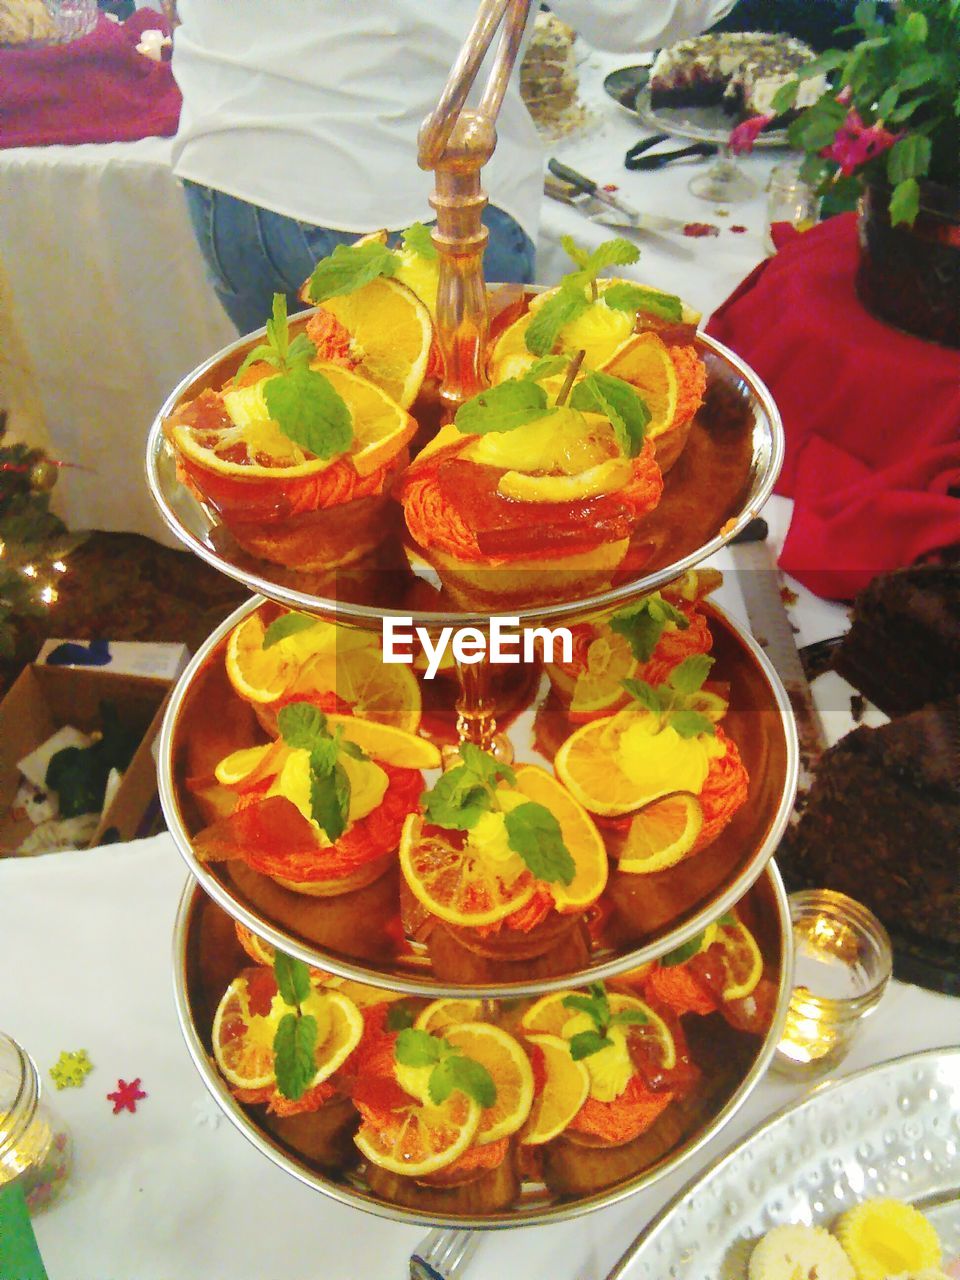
[[710, 496]]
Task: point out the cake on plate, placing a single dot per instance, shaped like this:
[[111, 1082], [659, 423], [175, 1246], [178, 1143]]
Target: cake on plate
[[740, 71], [882, 823], [548, 77], [903, 648]]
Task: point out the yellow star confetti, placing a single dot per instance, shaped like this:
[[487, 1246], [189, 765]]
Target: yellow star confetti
[[71, 1069]]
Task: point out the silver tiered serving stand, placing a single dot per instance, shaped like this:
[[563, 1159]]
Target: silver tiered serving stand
[[455, 142]]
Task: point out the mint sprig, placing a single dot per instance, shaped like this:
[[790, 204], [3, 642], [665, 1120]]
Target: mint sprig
[[505, 407], [349, 268], [669, 702], [452, 1069], [555, 314], [302, 401], [303, 727], [287, 624], [597, 1007], [417, 238], [644, 624], [619, 402], [681, 954], [463, 794], [577, 290], [295, 1040], [634, 297]]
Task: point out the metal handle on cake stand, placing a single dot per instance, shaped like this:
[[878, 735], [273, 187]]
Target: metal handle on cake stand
[[456, 141]]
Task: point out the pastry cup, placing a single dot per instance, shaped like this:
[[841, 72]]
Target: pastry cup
[[561, 944], [489, 1191], [324, 1137]]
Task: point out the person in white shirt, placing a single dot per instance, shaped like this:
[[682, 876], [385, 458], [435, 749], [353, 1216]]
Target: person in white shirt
[[300, 118]]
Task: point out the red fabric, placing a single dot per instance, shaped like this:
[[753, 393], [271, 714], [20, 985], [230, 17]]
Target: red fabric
[[95, 89], [872, 415]]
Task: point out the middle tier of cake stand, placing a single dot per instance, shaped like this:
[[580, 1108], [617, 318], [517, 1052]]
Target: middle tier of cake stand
[[359, 936]]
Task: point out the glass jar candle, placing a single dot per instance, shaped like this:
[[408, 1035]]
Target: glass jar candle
[[843, 961], [790, 199], [34, 1144]]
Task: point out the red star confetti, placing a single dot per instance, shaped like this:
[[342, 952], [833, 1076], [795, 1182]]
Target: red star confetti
[[126, 1096], [738, 230], [698, 229]]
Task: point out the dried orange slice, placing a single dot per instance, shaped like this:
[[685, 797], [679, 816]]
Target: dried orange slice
[[254, 447], [661, 834], [387, 743], [385, 692], [258, 674], [549, 1016], [588, 768], [422, 1138], [243, 1040], [340, 1026], [458, 885], [509, 1066], [447, 1011], [598, 689], [742, 961], [580, 835], [259, 951], [390, 335], [644, 361], [564, 1092]]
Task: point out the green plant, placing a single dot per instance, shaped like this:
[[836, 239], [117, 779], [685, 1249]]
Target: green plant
[[892, 111]]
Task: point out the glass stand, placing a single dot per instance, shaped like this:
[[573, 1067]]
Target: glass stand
[[724, 182], [476, 713]]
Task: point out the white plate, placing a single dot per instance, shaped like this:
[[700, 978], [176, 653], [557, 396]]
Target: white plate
[[892, 1130]]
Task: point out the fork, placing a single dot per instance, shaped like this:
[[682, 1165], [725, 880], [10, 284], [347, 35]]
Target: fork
[[443, 1255]]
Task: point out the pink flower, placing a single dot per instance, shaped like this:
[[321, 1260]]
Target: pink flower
[[855, 143], [743, 137], [845, 96]]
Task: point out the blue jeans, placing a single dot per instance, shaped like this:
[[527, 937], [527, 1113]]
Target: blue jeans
[[252, 254]]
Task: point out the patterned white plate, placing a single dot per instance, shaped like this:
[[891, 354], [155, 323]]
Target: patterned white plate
[[891, 1130]]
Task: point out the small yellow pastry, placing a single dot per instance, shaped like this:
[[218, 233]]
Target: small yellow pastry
[[884, 1237], [798, 1252]]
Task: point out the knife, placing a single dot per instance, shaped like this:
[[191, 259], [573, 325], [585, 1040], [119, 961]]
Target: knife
[[759, 581], [623, 214]]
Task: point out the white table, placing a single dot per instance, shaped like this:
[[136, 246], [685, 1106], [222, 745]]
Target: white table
[[104, 304], [175, 1190]]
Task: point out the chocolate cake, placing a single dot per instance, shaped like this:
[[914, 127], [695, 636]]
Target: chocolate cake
[[882, 824], [740, 71], [903, 648]]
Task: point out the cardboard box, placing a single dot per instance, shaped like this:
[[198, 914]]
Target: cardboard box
[[160, 660], [42, 700]]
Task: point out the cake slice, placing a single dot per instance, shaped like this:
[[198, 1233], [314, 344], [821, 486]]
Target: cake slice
[[903, 649], [882, 824]]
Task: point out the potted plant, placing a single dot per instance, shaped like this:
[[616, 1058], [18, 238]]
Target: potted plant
[[886, 133]]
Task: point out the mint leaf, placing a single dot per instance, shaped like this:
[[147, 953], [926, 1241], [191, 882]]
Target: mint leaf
[[629, 1018], [646, 695], [310, 412], [330, 798], [262, 352], [352, 749], [457, 800], [595, 1004], [301, 724], [399, 1017], [585, 1043], [579, 255], [688, 676], [277, 334], [728, 918], [545, 367], [690, 723], [288, 624], [619, 402], [909, 157], [349, 268], [684, 953], [505, 407], [485, 765], [534, 833], [467, 1075], [905, 202], [785, 97], [418, 1048], [617, 252], [633, 297], [643, 625], [293, 1049], [301, 351], [293, 978], [324, 752], [418, 238], [548, 320]]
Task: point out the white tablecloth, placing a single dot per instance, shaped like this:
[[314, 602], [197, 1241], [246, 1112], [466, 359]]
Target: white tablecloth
[[103, 309], [104, 304]]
